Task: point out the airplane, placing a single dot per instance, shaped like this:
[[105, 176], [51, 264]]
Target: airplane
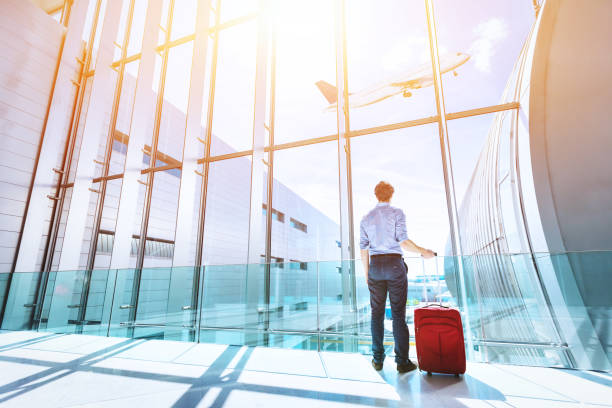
[[419, 78]]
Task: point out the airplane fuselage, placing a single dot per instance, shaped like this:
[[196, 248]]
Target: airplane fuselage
[[420, 78]]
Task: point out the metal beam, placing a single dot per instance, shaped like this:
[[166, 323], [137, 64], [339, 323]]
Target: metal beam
[[482, 111]]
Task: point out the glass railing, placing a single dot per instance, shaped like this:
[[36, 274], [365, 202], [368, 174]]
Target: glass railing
[[550, 310]]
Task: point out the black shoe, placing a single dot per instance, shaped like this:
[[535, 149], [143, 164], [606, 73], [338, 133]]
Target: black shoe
[[407, 367], [377, 366]]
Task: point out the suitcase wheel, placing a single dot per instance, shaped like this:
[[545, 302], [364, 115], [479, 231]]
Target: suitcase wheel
[[456, 375], [429, 373]]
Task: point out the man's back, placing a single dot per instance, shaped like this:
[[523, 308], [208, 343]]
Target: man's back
[[382, 230]]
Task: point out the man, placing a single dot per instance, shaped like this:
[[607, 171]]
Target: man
[[383, 232]]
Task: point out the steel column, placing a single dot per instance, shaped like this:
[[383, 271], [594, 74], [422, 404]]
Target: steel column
[[347, 250], [257, 227], [447, 168]]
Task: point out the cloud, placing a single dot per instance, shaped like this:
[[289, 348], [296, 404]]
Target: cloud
[[488, 36]]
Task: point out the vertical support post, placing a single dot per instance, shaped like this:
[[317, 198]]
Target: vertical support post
[[270, 186], [206, 164], [186, 208], [347, 254], [187, 211], [144, 105], [101, 95], [449, 184], [257, 227]]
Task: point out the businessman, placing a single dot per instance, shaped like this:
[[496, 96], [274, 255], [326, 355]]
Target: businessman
[[383, 236]]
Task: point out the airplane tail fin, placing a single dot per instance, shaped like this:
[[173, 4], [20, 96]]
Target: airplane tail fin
[[328, 90]]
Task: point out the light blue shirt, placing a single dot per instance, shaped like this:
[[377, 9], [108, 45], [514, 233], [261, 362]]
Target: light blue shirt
[[382, 230]]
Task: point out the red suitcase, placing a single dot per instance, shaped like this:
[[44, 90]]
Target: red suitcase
[[439, 340]]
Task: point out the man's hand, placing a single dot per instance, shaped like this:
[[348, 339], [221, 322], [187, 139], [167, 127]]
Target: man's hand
[[427, 253], [410, 246]]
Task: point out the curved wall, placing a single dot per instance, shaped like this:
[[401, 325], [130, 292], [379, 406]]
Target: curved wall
[[570, 129], [542, 187]]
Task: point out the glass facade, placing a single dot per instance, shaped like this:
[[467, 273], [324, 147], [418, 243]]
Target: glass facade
[[239, 149]]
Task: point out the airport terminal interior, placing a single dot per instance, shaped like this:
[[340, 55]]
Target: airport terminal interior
[[182, 184]]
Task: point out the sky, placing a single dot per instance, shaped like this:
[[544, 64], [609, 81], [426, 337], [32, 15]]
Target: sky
[[386, 39]]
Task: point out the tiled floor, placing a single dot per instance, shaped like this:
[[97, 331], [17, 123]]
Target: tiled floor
[[49, 370]]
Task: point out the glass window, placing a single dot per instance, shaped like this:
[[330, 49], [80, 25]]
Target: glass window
[[171, 136], [184, 18], [138, 26], [231, 9], [164, 23], [299, 225], [232, 125], [491, 35], [108, 224], [81, 130], [162, 219], [467, 138], [226, 231], [410, 160], [89, 27], [389, 65], [122, 29], [305, 70], [124, 117], [306, 191], [276, 215]]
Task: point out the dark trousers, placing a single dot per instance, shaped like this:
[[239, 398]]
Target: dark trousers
[[388, 274]]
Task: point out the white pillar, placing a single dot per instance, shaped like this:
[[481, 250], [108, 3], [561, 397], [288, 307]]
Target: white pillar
[[99, 101], [56, 129], [188, 213], [187, 216]]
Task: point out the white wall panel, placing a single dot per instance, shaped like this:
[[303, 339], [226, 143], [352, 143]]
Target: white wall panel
[[30, 41]]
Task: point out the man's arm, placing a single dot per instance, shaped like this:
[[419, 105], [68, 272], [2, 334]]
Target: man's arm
[[408, 245], [365, 260], [402, 236]]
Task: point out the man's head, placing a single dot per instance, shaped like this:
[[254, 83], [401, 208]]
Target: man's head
[[384, 191]]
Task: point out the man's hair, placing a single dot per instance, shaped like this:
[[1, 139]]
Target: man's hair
[[383, 191]]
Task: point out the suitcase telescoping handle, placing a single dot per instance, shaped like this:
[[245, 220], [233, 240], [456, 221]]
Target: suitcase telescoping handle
[[439, 303]]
